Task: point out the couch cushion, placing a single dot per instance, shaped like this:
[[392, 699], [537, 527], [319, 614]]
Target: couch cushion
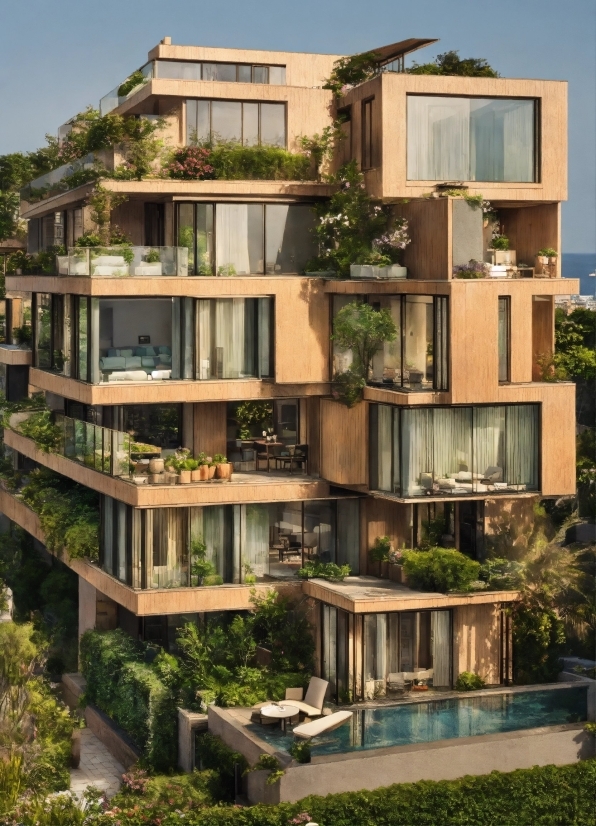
[[112, 363], [133, 362], [164, 349], [127, 352], [128, 375], [148, 361]]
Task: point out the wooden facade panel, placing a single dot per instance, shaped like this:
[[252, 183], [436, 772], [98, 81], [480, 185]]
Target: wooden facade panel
[[210, 430], [521, 335], [530, 228], [558, 441], [344, 443], [477, 641], [302, 331], [383, 517], [428, 256], [473, 338]]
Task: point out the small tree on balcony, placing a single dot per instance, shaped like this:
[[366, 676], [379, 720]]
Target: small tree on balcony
[[363, 330]]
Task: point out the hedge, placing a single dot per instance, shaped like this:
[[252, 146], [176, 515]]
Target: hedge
[[129, 691]]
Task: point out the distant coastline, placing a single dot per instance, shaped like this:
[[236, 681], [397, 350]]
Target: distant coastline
[[578, 265]]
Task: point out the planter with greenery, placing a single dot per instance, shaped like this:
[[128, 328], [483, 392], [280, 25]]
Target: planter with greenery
[[227, 160], [324, 570], [132, 82], [467, 681], [440, 569], [473, 269], [546, 262], [363, 330]]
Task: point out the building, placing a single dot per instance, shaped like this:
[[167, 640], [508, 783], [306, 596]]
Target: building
[[456, 422]]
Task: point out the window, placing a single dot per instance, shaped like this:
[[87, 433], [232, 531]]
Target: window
[[250, 124], [504, 338], [43, 331], [246, 239], [234, 338], [417, 359], [151, 548], [368, 159], [471, 139], [454, 451], [224, 72]]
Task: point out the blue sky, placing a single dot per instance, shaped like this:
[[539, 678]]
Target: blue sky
[[56, 56]]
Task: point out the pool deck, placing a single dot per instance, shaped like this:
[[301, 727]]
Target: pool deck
[[436, 760]]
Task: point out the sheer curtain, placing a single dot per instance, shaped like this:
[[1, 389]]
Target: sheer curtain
[[502, 140], [255, 540], [204, 367], [438, 136], [522, 445], [489, 439], [452, 440], [417, 449], [231, 239], [440, 628], [384, 446], [209, 525], [229, 338]]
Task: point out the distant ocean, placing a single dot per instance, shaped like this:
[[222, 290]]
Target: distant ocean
[[578, 265]]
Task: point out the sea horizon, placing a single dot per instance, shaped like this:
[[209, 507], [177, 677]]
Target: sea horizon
[[579, 265]]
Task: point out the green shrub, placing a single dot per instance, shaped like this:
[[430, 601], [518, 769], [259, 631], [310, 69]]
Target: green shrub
[[467, 681], [41, 428], [131, 693], [324, 570], [232, 161], [212, 753], [440, 569]]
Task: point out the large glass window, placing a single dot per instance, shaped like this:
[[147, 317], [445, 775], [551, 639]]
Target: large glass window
[[250, 124], [153, 547], [225, 72], [454, 451], [471, 139], [368, 159], [43, 331], [396, 649], [417, 359], [234, 338], [246, 239], [504, 338]]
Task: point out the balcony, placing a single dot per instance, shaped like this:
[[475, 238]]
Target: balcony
[[124, 261]]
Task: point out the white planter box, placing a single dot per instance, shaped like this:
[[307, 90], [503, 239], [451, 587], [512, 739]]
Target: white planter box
[[369, 271], [498, 271], [505, 257], [394, 271], [149, 269], [62, 264], [362, 271]]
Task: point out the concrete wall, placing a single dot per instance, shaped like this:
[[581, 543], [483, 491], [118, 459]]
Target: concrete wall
[[189, 723], [445, 760]]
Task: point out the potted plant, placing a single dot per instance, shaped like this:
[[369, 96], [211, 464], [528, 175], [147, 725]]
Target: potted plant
[[156, 465], [473, 269], [223, 468], [499, 247], [249, 577], [210, 467], [185, 472], [193, 466], [546, 262], [151, 264]]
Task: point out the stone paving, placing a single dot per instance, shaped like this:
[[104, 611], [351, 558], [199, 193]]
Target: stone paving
[[97, 767]]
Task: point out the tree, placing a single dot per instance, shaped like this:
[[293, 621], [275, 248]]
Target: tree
[[363, 330], [450, 63], [9, 210], [575, 354]]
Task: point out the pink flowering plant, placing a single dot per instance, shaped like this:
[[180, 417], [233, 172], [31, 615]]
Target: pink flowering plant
[[352, 229], [190, 163]]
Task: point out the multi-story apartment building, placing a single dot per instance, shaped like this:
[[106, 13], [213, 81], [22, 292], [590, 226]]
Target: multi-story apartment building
[[456, 421]]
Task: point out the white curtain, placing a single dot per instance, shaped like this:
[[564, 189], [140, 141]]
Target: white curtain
[[255, 539], [417, 448], [441, 647], [489, 439], [502, 140], [205, 369], [208, 525], [452, 440], [522, 445], [230, 337], [438, 136], [231, 236]]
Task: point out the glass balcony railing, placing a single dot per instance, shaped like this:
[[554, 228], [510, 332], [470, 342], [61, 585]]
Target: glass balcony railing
[[52, 183], [112, 100], [123, 261], [100, 448]]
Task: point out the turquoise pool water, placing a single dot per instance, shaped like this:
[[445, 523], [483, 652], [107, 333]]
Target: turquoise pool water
[[424, 722]]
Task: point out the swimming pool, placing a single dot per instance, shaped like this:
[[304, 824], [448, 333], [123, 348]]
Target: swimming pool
[[424, 722]]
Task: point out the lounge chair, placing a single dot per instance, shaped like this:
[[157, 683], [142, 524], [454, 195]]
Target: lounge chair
[[323, 725], [312, 705]]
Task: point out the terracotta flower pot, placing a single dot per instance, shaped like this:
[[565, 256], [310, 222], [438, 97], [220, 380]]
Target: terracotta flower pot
[[195, 475], [185, 477], [223, 471], [156, 466], [157, 478], [211, 472], [203, 473]]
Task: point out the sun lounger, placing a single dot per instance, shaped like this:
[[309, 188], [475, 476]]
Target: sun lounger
[[322, 725]]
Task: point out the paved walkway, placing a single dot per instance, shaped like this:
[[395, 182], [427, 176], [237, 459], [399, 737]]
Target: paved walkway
[[97, 768]]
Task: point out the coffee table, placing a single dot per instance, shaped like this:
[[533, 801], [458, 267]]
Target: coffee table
[[280, 711]]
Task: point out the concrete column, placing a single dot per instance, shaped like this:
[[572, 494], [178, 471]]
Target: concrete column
[[87, 606]]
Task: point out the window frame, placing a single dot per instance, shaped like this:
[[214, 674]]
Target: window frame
[[259, 103], [504, 300], [367, 158]]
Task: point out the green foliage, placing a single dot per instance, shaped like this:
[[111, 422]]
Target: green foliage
[[41, 428], [550, 367], [300, 751], [575, 336], [473, 269], [213, 754], [467, 681], [440, 569], [538, 638], [200, 566], [499, 242], [549, 252], [381, 549], [267, 762], [350, 71], [131, 82], [348, 224], [9, 213], [586, 471], [252, 415], [232, 161], [67, 512], [450, 63], [131, 693], [102, 202], [348, 387], [284, 629], [502, 574], [324, 570]]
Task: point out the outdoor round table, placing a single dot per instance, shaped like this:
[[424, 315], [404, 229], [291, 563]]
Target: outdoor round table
[[280, 712]]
